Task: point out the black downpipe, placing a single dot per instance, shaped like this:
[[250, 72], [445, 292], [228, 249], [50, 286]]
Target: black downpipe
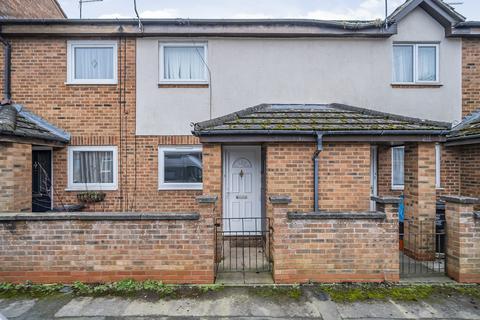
[[315, 170], [7, 72]]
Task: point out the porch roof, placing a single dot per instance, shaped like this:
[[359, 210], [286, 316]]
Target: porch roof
[[308, 119], [467, 131], [17, 124]]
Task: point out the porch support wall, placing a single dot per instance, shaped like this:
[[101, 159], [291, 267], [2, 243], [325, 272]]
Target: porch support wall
[[463, 239], [420, 200], [15, 177]]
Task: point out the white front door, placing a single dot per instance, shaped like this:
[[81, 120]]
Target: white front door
[[373, 175], [242, 190]]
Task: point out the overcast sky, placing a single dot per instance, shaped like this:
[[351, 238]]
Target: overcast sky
[[311, 9]]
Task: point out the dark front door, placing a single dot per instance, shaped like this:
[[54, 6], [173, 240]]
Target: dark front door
[[41, 180]]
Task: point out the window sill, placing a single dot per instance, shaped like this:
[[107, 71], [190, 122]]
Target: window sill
[[179, 188], [397, 188], [183, 85], [78, 189], [91, 83], [416, 85]]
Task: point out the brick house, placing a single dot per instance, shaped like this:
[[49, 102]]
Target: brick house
[[305, 135]]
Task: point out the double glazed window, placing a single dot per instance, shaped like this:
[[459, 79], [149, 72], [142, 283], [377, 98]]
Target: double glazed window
[[415, 63], [183, 63], [180, 167], [398, 155], [92, 62], [92, 168]]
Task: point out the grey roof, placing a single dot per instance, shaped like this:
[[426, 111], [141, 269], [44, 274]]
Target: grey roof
[[329, 119], [437, 8], [469, 128], [17, 121]]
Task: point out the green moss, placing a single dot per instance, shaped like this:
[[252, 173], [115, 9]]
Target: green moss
[[274, 292], [385, 291]]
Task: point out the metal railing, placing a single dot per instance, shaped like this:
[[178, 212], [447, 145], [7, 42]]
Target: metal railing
[[422, 248], [243, 245]]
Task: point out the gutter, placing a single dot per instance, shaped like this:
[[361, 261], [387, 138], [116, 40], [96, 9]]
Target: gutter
[[7, 72], [329, 133]]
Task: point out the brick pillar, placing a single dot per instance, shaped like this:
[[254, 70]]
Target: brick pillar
[[212, 173], [463, 239], [279, 245], [15, 177], [389, 205], [207, 207], [420, 200]]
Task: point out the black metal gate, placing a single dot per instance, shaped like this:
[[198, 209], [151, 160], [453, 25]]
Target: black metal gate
[[422, 247], [243, 245]]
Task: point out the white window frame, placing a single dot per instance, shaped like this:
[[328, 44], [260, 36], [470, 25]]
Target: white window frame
[[398, 186], [415, 62], [71, 45], [92, 186], [161, 62], [162, 185], [438, 165]]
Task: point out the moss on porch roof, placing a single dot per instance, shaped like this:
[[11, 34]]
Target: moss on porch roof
[[16, 121], [469, 128], [333, 118]]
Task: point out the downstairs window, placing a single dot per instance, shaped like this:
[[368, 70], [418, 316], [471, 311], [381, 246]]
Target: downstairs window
[[92, 168], [180, 167]]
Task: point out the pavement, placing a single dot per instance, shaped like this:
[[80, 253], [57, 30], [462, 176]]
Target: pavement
[[237, 303]]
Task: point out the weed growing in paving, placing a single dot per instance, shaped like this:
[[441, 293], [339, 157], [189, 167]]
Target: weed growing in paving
[[8, 290], [385, 291], [292, 292]]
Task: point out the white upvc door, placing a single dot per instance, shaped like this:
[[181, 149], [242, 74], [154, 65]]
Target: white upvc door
[[242, 190], [373, 175]]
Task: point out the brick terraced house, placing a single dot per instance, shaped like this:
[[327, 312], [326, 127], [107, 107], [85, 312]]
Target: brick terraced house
[[194, 151]]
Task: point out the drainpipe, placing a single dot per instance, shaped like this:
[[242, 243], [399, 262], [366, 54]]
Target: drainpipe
[[315, 169], [7, 52]]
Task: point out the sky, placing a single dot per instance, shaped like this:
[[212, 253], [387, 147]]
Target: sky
[[255, 9]]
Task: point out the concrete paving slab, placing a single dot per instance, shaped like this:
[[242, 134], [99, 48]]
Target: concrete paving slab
[[15, 308], [90, 307]]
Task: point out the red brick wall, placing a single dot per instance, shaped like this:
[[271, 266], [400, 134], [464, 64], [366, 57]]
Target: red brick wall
[[101, 251], [15, 177], [463, 243], [31, 9], [470, 75], [334, 250], [93, 115], [470, 173], [344, 175]]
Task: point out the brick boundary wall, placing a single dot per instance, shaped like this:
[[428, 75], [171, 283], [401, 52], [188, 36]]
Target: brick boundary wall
[[94, 247], [317, 247], [463, 239]]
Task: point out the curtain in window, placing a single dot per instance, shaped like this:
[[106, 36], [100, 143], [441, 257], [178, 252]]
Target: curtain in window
[[92, 167], [398, 168], [184, 63], [403, 63], [427, 64], [93, 63]]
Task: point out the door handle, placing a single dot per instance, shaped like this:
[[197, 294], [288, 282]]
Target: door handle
[[241, 197]]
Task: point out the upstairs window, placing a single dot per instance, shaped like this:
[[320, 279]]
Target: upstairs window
[[398, 154], [415, 63], [183, 63], [92, 168], [92, 62], [180, 167]]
